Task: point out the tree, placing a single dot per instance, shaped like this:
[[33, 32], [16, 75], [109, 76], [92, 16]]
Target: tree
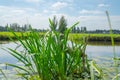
[[78, 30], [74, 30], [83, 29], [62, 25], [15, 26]]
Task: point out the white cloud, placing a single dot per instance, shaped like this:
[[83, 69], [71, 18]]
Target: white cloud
[[95, 22], [84, 11], [103, 5], [53, 12], [14, 14], [71, 1], [11, 11], [18, 11], [59, 5], [45, 11], [32, 1], [40, 20]]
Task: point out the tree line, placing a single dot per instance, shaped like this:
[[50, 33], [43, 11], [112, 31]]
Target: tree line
[[60, 26], [84, 30], [17, 28]]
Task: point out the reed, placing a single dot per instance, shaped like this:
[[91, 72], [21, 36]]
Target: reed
[[113, 44], [1, 71], [51, 57], [94, 66]]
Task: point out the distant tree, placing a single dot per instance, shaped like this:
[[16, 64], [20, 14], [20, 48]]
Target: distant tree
[[62, 25], [78, 30], [6, 27], [15, 26], [74, 30], [83, 29], [26, 27]]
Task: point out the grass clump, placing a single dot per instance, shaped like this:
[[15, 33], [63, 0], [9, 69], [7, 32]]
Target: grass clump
[[51, 57]]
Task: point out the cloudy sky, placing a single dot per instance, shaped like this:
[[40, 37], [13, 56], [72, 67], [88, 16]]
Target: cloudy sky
[[90, 13]]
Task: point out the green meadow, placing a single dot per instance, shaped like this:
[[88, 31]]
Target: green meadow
[[94, 37], [5, 36]]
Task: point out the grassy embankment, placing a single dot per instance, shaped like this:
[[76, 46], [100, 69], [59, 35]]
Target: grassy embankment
[[95, 37], [4, 36]]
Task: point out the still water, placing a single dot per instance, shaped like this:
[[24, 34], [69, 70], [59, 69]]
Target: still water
[[101, 54], [93, 51]]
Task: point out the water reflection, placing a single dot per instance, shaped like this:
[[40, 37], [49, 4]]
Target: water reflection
[[101, 54], [101, 43], [102, 51], [5, 57], [92, 51]]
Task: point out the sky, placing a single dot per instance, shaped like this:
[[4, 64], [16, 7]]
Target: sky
[[90, 13]]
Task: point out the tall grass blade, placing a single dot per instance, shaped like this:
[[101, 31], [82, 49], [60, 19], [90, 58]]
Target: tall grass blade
[[112, 40], [111, 33], [99, 71], [92, 73], [115, 77], [3, 74]]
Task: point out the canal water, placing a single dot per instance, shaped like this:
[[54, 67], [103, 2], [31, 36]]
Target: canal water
[[101, 54]]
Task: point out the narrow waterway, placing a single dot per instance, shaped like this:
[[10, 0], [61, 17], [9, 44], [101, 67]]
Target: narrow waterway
[[101, 54]]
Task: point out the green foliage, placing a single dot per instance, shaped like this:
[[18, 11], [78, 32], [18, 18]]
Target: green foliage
[[113, 44], [3, 74], [62, 25], [94, 67], [51, 57], [7, 36], [94, 37], [53, 24]]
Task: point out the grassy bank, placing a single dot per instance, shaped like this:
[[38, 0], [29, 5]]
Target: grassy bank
[[95, 37], [5, 36]]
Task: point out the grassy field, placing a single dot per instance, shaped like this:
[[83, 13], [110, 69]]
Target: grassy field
[[5, 36], [94, 37], [75, 37]]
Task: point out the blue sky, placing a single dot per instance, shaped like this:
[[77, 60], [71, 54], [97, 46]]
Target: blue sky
[[90, 13]]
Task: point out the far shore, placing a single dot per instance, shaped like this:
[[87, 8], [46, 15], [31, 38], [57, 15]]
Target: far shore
[[7, 36]]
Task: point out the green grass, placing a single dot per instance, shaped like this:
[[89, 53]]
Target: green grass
[[99, 70], [50, 57], [94, 37], [6, 36], [75, 37]]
